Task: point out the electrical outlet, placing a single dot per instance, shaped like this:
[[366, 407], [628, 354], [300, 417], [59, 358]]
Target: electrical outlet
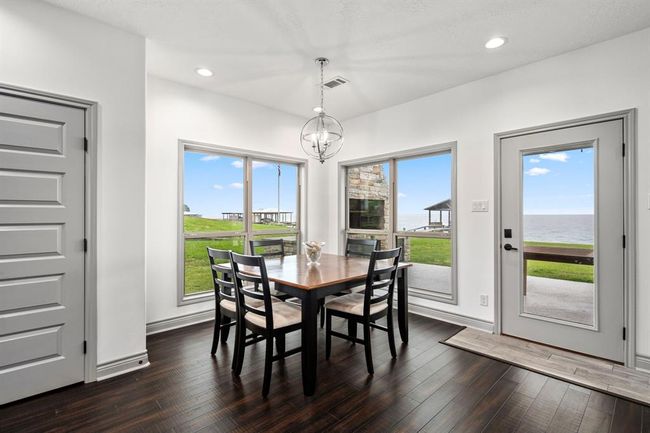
[[484, 300]]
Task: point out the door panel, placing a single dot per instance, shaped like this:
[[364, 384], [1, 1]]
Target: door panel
[[562, 264], [42, 165]]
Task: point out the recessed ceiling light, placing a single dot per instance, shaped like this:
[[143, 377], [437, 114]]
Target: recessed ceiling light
[[495, 42], [204, 72]]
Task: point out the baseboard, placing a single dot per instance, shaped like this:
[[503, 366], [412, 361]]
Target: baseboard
[[122, 365], [179, 322], [457, 319], [643, 363]]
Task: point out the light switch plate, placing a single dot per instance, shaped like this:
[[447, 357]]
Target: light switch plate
[[484, 300], [479, 206]]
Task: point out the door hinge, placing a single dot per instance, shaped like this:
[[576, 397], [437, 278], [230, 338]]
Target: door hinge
[[623, 146], [85, 245], [623, 241], [85, 144], [85, 346], [624, 333]]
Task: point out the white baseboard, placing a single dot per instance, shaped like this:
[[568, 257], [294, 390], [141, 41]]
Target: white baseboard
[[643, 363], [457, 319], [122, 365], [179, 322]]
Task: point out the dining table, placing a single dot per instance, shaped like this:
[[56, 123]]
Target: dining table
[[312, 282]]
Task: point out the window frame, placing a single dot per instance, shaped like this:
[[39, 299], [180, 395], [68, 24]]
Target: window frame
[[247, 233], [392, 233]]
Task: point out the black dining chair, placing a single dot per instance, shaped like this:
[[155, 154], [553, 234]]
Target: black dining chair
[[271, 320], [267, 247], [353, 248], [226, 314], [270, 248], [366, 307], [224, 296]]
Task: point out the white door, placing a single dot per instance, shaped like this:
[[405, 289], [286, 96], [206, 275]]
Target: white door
[[562, 255], [42, 162]]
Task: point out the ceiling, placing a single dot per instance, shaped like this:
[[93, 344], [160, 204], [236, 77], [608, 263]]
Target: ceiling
[[392, 51]]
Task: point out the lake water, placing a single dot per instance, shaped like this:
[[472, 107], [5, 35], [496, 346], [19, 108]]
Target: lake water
[[577, 229]]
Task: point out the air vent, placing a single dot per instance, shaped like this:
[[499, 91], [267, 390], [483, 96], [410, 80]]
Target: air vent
[[335, 82]]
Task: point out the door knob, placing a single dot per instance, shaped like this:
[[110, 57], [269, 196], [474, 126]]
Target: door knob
[[509, 247]]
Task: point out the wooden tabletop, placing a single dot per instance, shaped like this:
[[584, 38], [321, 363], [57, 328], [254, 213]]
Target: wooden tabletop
[[558, 254], [332, 269]]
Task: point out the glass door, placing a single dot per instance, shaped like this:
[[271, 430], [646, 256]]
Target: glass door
[[562, 228]]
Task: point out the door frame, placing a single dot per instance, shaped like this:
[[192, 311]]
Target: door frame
[[90, 212], [628, 117]]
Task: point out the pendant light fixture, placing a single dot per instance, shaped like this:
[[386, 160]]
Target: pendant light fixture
[[322, 136]]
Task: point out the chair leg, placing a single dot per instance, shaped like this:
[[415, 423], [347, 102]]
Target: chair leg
[[391, 332], [217, 328], [268, 366], [235, 353], [280, 345], [352, 329], [322, 313], [366, 338], [225, 330], [328, 336], [241, 347]]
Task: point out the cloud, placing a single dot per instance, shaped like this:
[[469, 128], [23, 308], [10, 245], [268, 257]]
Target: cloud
[[237, 185], [210, 157], [555, 156], [537, 171], [401, 194], [533, 160], [238, 163], [217, 186]]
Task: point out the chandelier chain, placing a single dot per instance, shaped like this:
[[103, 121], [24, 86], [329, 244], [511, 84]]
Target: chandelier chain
[[321, 87]]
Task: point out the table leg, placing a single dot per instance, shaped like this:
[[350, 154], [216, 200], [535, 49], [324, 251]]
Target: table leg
[[403, 304], [309, 342]]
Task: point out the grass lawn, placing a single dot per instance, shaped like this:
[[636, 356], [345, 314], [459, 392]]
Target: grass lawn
[[198, 277], [436, 251], [561, 271], [432, 251]]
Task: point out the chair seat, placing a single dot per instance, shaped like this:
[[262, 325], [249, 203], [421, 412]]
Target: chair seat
[[284, 314], [353, 304], [255, 303]]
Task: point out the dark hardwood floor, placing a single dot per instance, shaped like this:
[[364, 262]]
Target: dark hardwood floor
[[430, 387]]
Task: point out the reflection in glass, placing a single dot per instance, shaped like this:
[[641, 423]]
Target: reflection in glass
[[558, 226]]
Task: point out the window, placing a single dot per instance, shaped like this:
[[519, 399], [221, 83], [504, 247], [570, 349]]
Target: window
[[216, 187], [421, 221]]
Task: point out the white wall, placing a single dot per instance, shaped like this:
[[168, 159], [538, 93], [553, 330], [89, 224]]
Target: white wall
[[176, 111], [610, 76], [53, 50]]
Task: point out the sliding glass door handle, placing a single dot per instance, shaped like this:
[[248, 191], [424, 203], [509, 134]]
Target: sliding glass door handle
[[509, 247]]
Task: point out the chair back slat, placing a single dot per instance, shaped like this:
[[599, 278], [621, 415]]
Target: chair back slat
[[220, 268], [376, 278], [257, 265], [360, 247], [267, 247]]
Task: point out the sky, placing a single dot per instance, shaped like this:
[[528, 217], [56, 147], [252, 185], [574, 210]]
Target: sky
[[422, 182], [214, 184], [559, 183]]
